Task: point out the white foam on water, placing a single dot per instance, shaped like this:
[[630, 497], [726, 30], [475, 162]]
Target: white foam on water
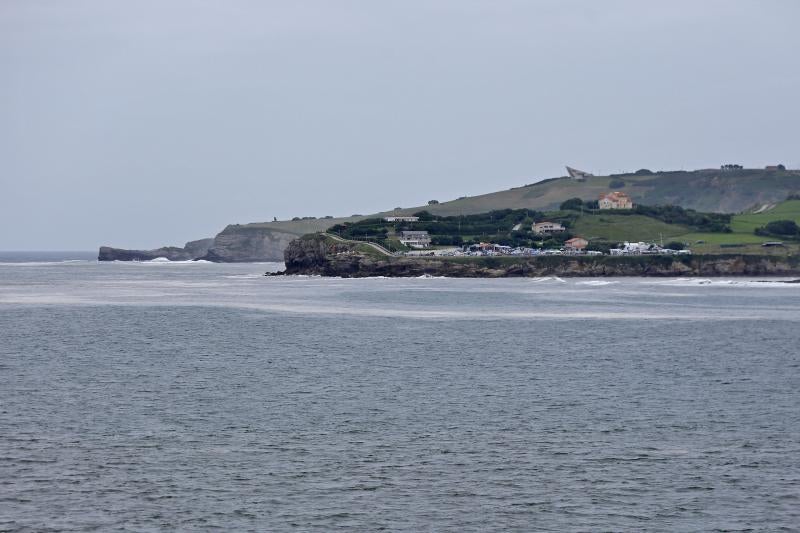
[[48, 263], [163, 261], [597, 283], [138, 298], [466, 314], [695, 282], [756, 283], [680, 282]]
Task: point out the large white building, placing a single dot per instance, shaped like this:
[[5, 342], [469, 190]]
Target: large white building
[[415, 239], [545, 227]]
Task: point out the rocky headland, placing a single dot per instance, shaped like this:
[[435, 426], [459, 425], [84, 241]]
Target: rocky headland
[[712, 190], [191, 250], [322, 255], [235, 244]]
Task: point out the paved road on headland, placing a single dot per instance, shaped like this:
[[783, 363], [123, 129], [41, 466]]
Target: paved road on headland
[[377, 247]]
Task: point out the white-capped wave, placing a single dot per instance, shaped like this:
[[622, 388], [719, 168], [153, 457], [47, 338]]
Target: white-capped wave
[[165, 261]]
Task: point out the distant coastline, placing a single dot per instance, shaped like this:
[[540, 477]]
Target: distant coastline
[[756, 196]]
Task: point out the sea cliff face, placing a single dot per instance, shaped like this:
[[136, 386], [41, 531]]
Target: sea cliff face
[[245, 243], [235, 244], [319, 255]]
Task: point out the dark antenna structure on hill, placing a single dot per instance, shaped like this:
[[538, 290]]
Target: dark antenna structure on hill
[[578, 175]]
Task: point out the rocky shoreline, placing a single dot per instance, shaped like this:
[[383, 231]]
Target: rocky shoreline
[[320, 255]]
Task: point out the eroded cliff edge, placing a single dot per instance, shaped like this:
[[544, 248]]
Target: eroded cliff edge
[[248, 243], [321, 255], [191, 250], [235, 244]]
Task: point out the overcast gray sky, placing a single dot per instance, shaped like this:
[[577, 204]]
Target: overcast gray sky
[[144, 123]]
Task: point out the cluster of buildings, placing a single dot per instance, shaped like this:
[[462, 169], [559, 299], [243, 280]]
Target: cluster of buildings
[[645, 248], [574, 246], [612, 200], [488, 249], [421, 240]]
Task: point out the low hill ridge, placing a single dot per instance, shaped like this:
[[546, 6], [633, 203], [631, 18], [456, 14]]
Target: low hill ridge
[[707, 190]]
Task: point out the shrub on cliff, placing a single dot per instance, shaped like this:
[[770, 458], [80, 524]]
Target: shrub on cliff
[[424, 216], [572, 203], [447, 240], [783, 227], [673, 214]]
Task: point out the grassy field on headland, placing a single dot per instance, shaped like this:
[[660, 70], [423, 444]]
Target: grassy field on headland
[[742, 235], [704, 233]]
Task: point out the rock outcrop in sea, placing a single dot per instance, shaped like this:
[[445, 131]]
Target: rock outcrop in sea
[[191, 250]]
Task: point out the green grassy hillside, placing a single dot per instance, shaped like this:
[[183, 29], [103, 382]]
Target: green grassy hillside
[[619, 228], [295, 227], [748, 222], [702, 232], [742, 228], [702, 190]]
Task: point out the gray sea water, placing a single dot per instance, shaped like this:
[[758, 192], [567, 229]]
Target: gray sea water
[[191, 396]]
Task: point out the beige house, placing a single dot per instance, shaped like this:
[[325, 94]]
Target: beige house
[[615, 200], [546, 228], [575, 244]]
